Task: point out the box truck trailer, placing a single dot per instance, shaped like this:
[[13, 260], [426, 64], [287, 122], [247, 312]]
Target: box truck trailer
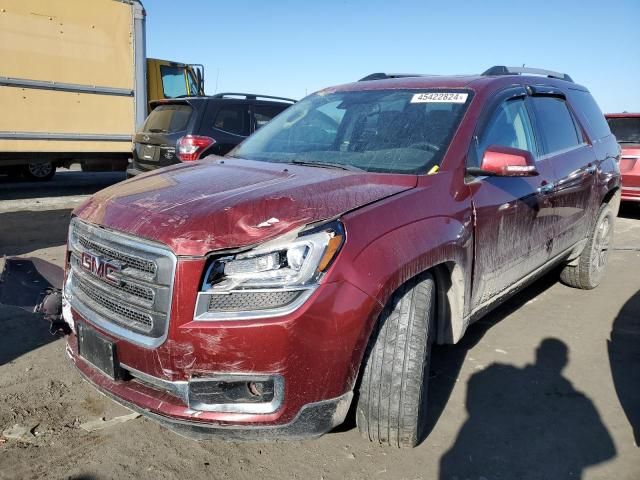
[[75, 83]]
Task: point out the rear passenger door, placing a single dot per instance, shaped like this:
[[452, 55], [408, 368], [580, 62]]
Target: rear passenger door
[[228, 123], [573, 162], [514, 222]]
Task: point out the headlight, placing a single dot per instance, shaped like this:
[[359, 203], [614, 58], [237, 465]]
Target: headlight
[[270, 280]]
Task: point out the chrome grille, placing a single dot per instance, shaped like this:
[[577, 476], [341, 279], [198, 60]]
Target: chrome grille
[[134, 301], [140, 264], [128, 316]]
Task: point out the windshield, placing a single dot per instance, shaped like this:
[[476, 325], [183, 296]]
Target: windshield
[[174, 83], [393, 131], [626, 129]]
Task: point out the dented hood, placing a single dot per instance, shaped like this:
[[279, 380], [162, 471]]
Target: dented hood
[[214, 204]]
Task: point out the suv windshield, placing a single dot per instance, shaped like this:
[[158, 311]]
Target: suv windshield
[[626, 129], [393, 131], [168, 118]]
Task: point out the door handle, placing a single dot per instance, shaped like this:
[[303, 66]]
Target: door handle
[[546, 189]]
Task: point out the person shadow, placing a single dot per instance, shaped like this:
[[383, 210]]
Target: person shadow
[[527, 423], [624, 358]]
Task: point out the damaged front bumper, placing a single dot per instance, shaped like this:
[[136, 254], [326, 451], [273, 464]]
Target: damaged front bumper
[[313, 420], [302, 368]]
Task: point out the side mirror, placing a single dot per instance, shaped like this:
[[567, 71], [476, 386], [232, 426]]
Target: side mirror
[[506, 162]]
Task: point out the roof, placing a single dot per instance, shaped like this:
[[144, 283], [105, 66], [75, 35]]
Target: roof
[[477, 83]]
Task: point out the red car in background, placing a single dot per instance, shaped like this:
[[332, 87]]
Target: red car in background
[[626, 128]]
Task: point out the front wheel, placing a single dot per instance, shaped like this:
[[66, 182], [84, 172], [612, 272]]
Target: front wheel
[[39, 172], [392, 396], [591, 264]]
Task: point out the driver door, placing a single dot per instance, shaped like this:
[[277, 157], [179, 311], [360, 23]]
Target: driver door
[[514, 215]]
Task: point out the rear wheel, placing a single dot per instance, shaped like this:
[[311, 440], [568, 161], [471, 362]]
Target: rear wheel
[[591, 264], [391, 406], [41, 171]]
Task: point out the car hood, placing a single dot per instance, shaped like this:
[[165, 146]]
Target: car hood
[[227, 203]]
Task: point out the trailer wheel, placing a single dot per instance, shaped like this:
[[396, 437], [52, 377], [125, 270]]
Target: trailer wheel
[[392, 399], [39, 172]]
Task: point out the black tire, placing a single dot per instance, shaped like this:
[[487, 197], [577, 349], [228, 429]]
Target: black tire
[[392, 395], [39, 172], [589, 269]]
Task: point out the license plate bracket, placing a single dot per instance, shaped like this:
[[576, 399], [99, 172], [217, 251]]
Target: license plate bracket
[[97, 350]]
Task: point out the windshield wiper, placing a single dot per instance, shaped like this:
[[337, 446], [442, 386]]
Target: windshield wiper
[[341, 166], [158, 130]]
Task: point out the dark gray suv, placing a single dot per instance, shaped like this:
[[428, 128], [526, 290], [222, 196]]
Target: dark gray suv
[[187, 129]]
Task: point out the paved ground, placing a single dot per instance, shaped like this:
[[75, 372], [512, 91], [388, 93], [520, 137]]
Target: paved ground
[[563, 411]]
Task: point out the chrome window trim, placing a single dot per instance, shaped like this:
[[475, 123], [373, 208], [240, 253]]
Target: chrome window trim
[[101, 322], [180, 389]]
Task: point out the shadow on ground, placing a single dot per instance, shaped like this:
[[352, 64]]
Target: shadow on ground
[[629, 210], [527, 423], [63, 184], [624, 358], [21, 332], [23, 282], [24, 231]]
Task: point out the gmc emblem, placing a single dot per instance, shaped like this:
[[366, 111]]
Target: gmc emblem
[[101, 267]]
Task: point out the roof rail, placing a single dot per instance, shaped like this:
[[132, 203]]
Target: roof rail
[[502, 70], [251, 96], [383, 76]]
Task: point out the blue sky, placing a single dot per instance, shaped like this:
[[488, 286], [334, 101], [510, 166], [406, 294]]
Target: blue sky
[[290, 48]]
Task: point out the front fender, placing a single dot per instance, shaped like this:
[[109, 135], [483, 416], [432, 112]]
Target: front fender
[[390, 244]]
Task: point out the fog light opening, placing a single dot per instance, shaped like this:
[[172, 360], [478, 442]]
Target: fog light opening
[[256, 389]]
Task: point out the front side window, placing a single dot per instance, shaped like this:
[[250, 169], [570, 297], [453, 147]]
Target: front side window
[[626, 129], [510, 126], [391, 131], [173, 81], [557, 127], [232, 119]]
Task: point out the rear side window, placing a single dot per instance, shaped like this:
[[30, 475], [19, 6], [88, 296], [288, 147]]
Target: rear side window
[[510, 126], [590, 114], [626, 129], [263, 113], [168, 118], [232, 119], [556, 125]]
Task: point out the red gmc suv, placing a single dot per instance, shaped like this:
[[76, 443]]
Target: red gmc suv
[[260, 294]]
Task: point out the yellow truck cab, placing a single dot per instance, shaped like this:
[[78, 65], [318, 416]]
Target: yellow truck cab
[[167, 79]]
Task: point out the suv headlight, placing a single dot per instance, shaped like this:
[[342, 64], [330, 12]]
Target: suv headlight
[[272, 279]]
